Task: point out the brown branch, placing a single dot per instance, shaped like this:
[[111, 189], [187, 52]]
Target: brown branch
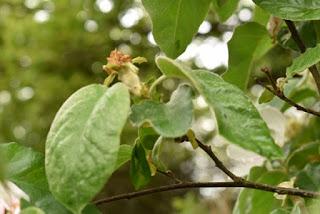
[[237, 182], [296, 37], [170, 175], [218, 163], [279, 93], [189, 185]]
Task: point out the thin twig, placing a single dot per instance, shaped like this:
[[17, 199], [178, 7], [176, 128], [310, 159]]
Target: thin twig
[[218, 163], [170, 174], [296, 37], [279, 93], [292, 103]]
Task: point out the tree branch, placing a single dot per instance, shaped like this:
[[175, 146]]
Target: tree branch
[[189, 185], [296, 37], [279, 93], [237, 182], [218, 163]]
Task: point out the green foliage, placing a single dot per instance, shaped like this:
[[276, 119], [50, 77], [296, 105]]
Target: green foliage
[[308, 153], [32, 210], [92, 134], [225, 8], [301, 10], [148, 137], [172, 119], [26, 169], [173, 27], [140, 172], [242, 57], [304, 61], [83, 143], [156, 152], [250, 201], [124, 155], [309, 177], [237, 118]]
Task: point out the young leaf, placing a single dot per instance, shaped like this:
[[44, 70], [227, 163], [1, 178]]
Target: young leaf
[[83, 143], [309, 177], [148, 137], [304, 61], [140, 172], [172, 119], [308, 153], [173, 24], [156, 155], [225, 8], [249, 201], [249, 43], [124, 155], [32, 210], [238, 119], [25, 167], [301, 10]]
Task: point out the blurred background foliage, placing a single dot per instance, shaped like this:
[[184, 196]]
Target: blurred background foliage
[[49, 49]]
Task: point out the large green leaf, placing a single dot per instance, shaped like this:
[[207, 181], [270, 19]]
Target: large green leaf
[[83, 143], [300, 10], [172, 119], [25, 167], [225, 8], [304, 61], [140, 172], [250, 201], [175, 22], [241, 57], [238, 120]]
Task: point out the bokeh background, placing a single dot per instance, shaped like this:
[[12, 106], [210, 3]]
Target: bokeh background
[[49, 49]]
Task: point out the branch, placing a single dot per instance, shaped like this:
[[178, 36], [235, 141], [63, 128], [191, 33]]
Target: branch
[[237, 182], [189, 185], [218, 163], [170, 175], [279, 93], [296, 37]]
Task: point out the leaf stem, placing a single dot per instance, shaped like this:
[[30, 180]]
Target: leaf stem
[[155, 83]]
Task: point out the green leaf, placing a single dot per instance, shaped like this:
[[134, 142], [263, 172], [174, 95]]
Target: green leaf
[[140, 172], [124, 155], [25, 167], [156, 152], [249, 201], [298, 95], [266, 96], [260, 16], [238, 120], [304, 61], [309, 177], [148, 137], [175, 22], [172, 119], [32, 210], [242, 57], [83, 143], [308, 153], [300, 10], [225, 8]]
